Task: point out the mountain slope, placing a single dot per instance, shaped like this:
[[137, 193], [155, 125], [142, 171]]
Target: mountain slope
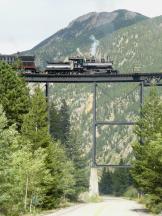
[[131, 43], [77, 34], [138, 45]]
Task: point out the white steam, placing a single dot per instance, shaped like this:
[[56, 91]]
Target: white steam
[[79, 52], [94, 45]]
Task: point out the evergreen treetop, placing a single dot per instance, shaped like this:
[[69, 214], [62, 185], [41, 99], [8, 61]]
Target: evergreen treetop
[[14, 94]]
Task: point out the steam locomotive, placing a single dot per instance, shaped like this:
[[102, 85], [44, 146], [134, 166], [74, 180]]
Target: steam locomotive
[[75, 65], [80, 65]]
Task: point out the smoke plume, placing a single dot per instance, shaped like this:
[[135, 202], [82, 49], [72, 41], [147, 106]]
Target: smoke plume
[[79, 52], [94, 45]]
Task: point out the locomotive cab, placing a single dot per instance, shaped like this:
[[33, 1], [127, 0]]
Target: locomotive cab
[[77, 63]]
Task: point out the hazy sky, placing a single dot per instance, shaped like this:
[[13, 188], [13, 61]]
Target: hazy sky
[[25, 23]]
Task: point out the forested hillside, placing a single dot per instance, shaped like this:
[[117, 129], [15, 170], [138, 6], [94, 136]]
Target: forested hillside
[[137, 47]]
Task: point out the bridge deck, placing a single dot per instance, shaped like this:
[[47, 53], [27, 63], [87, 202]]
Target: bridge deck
[[132, 77]]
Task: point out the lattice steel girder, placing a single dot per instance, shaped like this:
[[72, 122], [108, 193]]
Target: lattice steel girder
[[96, 123], [115, 123], [135, 77], [127, 166]]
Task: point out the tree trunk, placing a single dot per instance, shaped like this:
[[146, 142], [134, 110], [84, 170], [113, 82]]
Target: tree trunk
[[26, 192]]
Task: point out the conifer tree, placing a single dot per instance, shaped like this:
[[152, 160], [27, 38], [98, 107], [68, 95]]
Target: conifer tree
[[64, 122], [151, 121], [147, 167], [35, 125], [106, 183], [60, 130], [76, 154], [14, 94], [121, 181], [55, 125], [61, 170], [35, 128]]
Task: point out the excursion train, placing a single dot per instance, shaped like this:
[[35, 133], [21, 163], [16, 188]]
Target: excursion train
[[27, 63], [80, 65], [74, 65]]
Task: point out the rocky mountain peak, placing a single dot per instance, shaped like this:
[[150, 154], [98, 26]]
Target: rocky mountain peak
[[79, 33], [95, 19]]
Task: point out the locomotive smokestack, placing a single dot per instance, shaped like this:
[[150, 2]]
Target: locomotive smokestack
[[94, 45]]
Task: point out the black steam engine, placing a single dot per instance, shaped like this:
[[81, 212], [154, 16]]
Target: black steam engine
[[75, 65], [79, 65]]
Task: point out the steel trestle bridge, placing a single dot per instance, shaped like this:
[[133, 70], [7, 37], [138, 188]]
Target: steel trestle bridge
[[143, 79], [80, 78]]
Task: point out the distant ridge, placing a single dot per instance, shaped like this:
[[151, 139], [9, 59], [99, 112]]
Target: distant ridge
[[77, 34]]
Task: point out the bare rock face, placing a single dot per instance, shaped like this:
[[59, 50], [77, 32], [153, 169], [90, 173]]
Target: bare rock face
[[95, 19]]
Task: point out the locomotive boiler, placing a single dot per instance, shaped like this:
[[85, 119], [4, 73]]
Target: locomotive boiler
[[80, 65]]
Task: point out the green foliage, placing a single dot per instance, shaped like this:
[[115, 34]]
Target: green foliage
[[61, 170], [115, 182], [17, 65], [35, 126], [60, 122], [151, 120], [14, 94], [17, 164], [153, 202], [76, 154], [112, 141], [64, 122], [59, 167], [147, 168], [55, 127], [35, 170], [7, 137], [106, 183], [60, 130], [135, 47], [29, 173], [131, 192]]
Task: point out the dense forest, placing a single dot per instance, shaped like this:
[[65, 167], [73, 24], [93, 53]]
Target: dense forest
[[40, 167]]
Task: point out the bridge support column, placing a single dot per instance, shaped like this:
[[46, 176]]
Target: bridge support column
[[93, 184], [48, 105]]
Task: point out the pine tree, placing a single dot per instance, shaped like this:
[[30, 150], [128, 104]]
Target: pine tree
[[64, 122], [76, 154], [147, 167], [35, 129], [14, 94], [151, 120], [35, 125], [55, 126], [106, 182], [61, 170], [121, 180], [60, 130]]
